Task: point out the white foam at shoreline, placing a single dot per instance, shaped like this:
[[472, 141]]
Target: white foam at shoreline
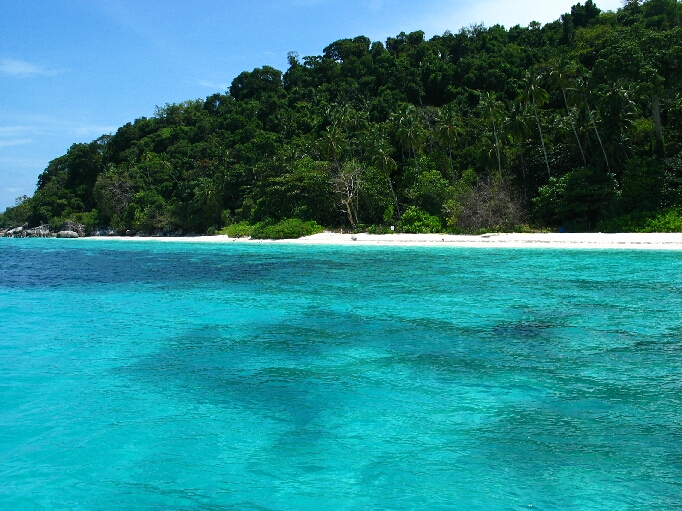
[[660, 241]]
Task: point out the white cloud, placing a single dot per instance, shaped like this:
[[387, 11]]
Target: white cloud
[[20, 68], [213, 85], [10, 143], [92, 130]]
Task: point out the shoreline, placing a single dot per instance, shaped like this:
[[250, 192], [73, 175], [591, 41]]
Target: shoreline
[[655, 241]]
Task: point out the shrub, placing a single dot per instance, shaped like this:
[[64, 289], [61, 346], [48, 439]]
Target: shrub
[[669, 220], [576, 200], [491, 204], [418, 221], [285, 229], [240, 230]]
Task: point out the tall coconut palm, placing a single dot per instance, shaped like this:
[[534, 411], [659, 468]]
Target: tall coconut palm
[[618, 110], [534, 94], [493, 112], [448, 129], [409, 129], [334, 142], [584, 94], [559, 79], [518, 129], [379, 151]]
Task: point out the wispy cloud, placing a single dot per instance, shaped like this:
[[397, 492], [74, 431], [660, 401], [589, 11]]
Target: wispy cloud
[[20, 163], [45, 126], [10, 143], [213, 85], [92, 130], [21, 69]]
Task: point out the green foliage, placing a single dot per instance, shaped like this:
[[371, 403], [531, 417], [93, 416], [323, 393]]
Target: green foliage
[[240, 230], [668, 220], [369, 130], [576, 200], [641, 186], [19, 214], [418, 221], [285, 229]]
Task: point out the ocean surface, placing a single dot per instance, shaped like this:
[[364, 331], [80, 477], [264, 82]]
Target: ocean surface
[[154, 376]]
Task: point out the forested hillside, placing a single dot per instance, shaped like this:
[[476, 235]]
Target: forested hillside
[[577, 123]]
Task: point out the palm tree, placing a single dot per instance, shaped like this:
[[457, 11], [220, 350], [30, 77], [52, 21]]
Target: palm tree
[[409, 128], [518, 129], [534, 94], [584, 94], [334, 142], [448, 129], [559, 78], [618, 110], [379, 151], [493, 111]]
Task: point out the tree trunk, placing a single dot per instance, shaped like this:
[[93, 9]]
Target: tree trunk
[[395, 199], [542, 140], [523, 170], [582, 153], [594, 125], [497, 146], [658, 130]]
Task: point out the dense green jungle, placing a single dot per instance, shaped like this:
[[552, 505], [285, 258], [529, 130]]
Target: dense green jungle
[[576, 124]]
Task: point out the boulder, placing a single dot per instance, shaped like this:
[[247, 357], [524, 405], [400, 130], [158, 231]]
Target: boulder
[[73, 227], [17, 232], [42, 231], [104, 231], [67, 234], [131, 232]]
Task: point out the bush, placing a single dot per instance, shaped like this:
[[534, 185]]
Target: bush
[[285, 229], [669, 220], [491, 204], [576, 200], [240, 230], [418, 221]]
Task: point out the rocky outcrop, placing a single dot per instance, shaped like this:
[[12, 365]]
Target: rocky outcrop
[[67, 234], [16, 232], [73, 227], [104, 231], [42, 231]]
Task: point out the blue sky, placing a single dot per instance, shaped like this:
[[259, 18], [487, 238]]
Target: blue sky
[[72, 70]]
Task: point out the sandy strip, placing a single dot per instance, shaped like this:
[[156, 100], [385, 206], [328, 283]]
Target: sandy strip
[[658, 241]]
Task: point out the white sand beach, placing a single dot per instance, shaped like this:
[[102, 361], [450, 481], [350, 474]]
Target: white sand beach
[[656, 241]]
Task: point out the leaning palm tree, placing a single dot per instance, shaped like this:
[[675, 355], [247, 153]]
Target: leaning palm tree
[[493, 112], [559, 78], [448, 129], [584, 97], [518, 129], [409, 128], [534, 94], [379, 150]]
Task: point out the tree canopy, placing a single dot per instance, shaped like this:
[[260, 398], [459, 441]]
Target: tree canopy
[[577, 123]]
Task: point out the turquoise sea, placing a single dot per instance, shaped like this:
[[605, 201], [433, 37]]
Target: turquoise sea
[[153, 376]]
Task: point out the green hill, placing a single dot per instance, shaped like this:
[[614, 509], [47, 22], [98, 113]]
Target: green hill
[[577, 123]]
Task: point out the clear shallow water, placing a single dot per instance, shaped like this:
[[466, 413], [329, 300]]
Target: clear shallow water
[[172, 376]]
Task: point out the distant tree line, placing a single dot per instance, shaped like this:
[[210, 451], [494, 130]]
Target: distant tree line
[[577, 123]]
